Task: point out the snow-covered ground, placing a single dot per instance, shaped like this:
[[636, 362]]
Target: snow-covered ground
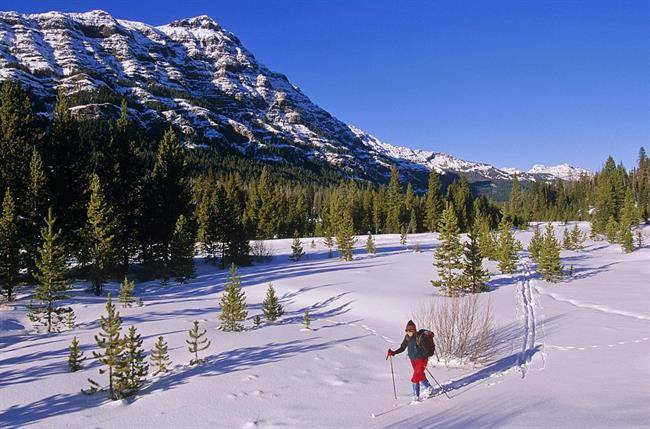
[[572, 354]]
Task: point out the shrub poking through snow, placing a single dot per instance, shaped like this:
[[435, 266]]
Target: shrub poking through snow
[[75, 356], [257, 321], [416, 247], [159, 357], [233, 304], [197, 343], [306, 320], [463, 327]]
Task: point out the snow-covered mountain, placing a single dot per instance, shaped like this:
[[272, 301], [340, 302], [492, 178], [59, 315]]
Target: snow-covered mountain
[[196, 75]]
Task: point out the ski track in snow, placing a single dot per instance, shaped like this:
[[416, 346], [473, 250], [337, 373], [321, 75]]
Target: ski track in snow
[[597, 307], [527, 310]]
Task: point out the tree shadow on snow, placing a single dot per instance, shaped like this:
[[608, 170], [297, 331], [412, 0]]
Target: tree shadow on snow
[[242, 359]]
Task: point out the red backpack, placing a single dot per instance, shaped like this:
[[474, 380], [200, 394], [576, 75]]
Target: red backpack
[[424, 339]]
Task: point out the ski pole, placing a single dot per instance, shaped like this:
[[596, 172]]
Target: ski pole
[[441, 388], [393, 376]]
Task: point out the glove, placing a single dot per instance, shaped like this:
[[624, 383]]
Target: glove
[[390, 353]]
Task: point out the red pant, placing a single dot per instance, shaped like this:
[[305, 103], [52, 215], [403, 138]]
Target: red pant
[[419, 365]]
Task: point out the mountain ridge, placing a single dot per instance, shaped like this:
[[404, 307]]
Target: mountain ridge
[[199, 77]]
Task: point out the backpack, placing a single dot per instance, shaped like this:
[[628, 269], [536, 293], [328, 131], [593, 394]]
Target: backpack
[[424, 340]]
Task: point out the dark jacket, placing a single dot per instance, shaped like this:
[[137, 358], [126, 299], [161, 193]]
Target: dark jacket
[[414, 350]]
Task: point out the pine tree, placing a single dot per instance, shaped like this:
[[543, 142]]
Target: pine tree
[[448, 256], [370, 245], [75, 356], [257, 321], [328, 241], [35, 208], [297, 251], [112, 355], [577, 237], [181, 248], [507, 247], [197, 343], [126, 292], [271, 306], [567, 240], [486, 241], [403, 236], [413, 222], [345, 235], [233, 304], [206, 218], [99, 235], [612, 231], [535, 246], [306, 320], [51, 275], [9, 246], [549, 263], [474, 276], [394, 203], [629, 220], [159, 357], [135, 366], [433, 205]]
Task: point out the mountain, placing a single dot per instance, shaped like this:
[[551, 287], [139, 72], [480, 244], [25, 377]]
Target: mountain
[[199, 77]]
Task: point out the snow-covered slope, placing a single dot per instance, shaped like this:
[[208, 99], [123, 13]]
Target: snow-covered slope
[[563, 171], [200, 77], [570, 355]]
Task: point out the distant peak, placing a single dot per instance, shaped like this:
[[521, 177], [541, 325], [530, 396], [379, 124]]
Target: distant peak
[[202, 21]]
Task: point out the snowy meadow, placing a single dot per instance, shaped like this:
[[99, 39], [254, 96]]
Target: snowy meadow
[[575, 353]]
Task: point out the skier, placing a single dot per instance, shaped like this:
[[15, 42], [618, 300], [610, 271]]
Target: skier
[[419, 360]]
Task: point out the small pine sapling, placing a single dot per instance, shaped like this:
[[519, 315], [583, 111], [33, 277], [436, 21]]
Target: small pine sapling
[[126, 292], [159, 357], [403, 236], [233, 304], [197, 343], [257, 321], [297, 251], [567, 240], [271, 305], [370, 245], [136, 368], [76, 356]]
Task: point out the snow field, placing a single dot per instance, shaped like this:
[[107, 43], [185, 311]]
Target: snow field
[[571, 354]]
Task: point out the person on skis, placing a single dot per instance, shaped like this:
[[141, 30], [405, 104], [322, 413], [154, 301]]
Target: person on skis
[[419, 360]]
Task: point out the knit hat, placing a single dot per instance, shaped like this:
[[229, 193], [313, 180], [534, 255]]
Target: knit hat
[[410, 325]]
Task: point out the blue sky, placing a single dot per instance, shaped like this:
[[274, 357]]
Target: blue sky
[[511, 83]]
